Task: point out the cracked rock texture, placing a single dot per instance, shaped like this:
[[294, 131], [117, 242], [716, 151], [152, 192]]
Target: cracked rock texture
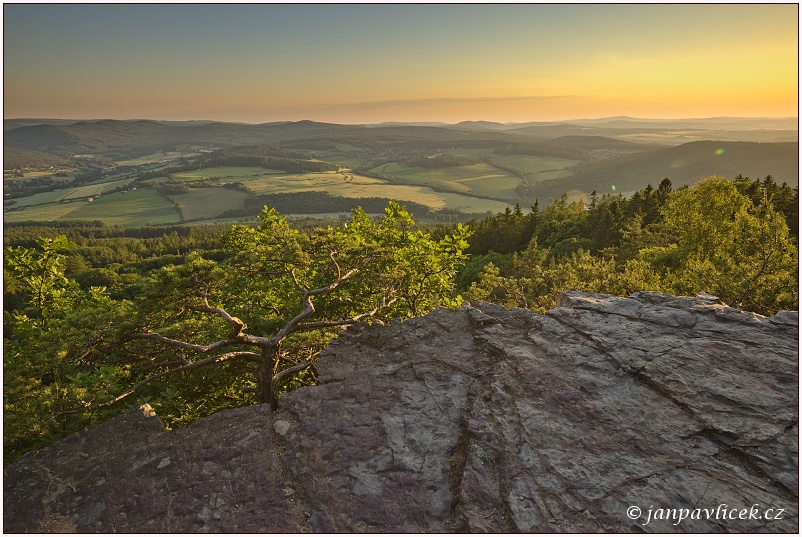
[[478, 420]]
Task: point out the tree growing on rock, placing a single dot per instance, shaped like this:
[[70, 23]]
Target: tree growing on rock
[[258, 318]]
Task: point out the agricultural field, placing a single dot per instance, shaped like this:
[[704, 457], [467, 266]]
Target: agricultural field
[[28, 175], [132, 209], [349, 185], [147, 206], [43, 213], [160, 156], [85, 191], [226, 174], [201, 203], [537, 168], [345, 160], [478, 179], [40, 198]]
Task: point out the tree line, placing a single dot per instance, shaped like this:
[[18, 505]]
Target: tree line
[[736, 239]]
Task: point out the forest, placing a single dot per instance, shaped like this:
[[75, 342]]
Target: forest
[[196, 319]]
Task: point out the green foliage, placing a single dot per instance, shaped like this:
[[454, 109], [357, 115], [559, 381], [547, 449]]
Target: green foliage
[[729, 247], [46, 345], [211, 331], [712, 238], [39, 275], [194, 320], [15, 158]]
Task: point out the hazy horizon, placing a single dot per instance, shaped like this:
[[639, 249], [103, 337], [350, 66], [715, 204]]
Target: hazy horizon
[[367, 64], [578, 119]]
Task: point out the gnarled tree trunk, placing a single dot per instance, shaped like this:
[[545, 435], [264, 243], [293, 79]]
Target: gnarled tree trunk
[[266, 388]]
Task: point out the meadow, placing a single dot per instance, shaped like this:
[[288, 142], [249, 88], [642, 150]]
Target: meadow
[[537, 168], [132, 209], [85, 191], [200, 203], [43, 213], [146, 206], [478, 179], [225, 174], [160, 156], [350, 185]]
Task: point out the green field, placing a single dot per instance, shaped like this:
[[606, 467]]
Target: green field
[[209, 202], [160, 156], [357, 186], [537, 168], [226, 174], [147, 206], [92, 190], [43, 213], [85, 191], [28, 175], [480, 179], [132, 209], [42, 197], [345, 160]]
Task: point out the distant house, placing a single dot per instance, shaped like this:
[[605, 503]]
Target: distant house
[[90, 199]]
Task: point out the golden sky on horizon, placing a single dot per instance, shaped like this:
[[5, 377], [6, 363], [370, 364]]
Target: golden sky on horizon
[[374, 63]]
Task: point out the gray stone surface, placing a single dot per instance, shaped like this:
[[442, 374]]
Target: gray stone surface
[[482, 419]]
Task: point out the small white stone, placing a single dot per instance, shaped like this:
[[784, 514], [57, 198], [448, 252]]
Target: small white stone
[[282, 427]]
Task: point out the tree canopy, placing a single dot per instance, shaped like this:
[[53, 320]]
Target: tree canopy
[[723, 237], [204, 334]]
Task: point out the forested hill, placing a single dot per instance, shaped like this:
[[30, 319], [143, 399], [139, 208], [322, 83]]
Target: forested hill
[[684, 164], [131, 138], [114, 139]]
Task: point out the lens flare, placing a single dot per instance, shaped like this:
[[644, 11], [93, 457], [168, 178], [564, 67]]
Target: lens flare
[[720, 151], [613, 187]]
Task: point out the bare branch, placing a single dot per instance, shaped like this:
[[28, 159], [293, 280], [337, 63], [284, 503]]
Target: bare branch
[[295, 281], [190, 346], [237, 326], [333, 285], [344, 322], [292, 325], [337, 265], [193, 365], [291, 370]]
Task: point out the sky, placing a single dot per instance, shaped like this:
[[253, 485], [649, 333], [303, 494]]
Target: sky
[[375, 63]]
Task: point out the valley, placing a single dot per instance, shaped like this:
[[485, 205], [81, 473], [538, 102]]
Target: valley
[[139, 173]]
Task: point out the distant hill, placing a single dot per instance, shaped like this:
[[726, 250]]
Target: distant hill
[[713, 123], [590, 143], [625, 122], [125, 139], [15, 123], [603, 149], [684, 164], [479, 125], [409, 124], [15, 158]]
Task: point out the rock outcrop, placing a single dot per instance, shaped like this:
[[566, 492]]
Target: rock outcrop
[[598, 417]]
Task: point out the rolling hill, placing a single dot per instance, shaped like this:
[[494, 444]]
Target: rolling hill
[[486, 161], [684, 164]]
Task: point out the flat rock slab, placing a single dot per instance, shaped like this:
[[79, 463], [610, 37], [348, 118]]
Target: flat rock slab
[[650, 413]]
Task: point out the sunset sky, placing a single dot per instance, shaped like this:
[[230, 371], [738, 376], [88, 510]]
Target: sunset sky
[[374, 63]]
